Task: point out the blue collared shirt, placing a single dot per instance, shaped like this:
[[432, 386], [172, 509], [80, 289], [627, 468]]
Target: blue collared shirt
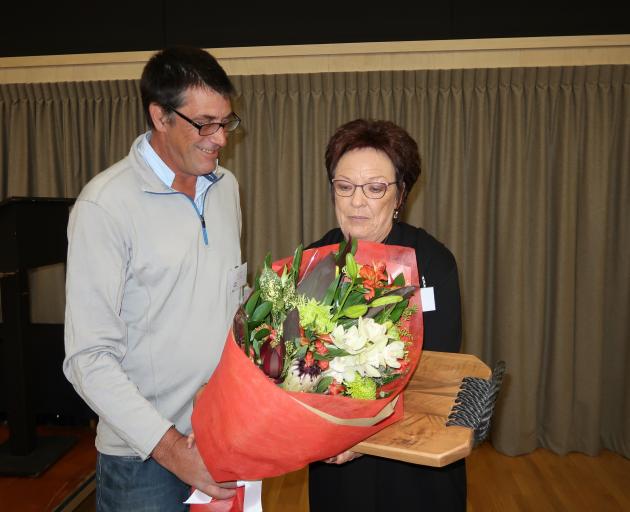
[[167, 176]]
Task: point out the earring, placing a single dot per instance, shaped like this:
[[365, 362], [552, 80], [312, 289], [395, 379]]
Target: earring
[[396, 214]]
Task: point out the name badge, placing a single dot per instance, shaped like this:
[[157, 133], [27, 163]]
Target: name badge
[[237, 279], [427, 298]]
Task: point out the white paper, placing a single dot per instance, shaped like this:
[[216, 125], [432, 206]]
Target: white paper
[[198, 498], [253, 496], [252, 501], [427, 298]]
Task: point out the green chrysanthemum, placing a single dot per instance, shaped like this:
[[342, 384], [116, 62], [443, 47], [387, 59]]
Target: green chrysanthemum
[[362, 387], [315, 316]]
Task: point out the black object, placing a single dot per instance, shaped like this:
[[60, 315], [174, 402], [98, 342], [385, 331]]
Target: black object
[[475, 402], [33, 234]]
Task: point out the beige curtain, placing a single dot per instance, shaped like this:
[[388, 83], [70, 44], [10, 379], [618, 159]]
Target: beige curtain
[[525, 178]]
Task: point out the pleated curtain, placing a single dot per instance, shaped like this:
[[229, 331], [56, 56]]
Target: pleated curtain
[[526, 178]]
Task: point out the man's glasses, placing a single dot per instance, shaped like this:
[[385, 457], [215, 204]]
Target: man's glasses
[[374, 190], [209, 128]]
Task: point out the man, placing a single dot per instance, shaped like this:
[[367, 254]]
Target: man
[[153, 280]]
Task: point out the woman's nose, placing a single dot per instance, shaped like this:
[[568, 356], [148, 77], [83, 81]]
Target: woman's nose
[[358, 197]]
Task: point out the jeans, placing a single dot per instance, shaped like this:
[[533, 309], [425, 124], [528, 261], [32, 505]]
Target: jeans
[[129, 484]]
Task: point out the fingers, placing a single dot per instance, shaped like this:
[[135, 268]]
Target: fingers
[[218, 492], [190, 441], [343, 457], [177, 454]]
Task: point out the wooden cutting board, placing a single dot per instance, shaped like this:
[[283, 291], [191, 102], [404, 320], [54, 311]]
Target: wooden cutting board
[[422, 436]]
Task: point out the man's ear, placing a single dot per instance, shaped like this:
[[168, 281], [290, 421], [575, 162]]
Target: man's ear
[[159, 116]]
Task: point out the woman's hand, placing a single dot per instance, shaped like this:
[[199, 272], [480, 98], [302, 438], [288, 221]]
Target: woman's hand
[[343, 457]]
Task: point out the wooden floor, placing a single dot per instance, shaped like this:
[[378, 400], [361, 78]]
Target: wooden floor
[[70, 476], [540, 481]]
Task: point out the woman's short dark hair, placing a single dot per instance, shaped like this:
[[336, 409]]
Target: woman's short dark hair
[[383, 136], [172, 71]]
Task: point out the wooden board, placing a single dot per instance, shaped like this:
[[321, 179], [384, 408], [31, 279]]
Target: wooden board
[[422, 436]]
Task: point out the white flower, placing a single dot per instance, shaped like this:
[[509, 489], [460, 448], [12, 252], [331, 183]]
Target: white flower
[[370, 349], [392, 353], [370, 360], [349, 340], [342, 368], [371, 330]]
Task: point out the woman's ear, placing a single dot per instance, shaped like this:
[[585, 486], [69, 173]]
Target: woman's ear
[[400, 198]]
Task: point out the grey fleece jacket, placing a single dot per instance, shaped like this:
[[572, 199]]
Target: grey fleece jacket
[[148, 303]]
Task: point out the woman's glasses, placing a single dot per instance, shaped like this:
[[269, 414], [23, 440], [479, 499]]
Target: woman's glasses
[[374, 190]]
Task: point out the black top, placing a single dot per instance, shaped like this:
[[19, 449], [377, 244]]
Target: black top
[[375, 484]]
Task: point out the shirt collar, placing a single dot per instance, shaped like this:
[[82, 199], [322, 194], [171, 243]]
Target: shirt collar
[[166, 175]]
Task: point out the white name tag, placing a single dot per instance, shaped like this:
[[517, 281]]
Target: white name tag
[[427, 298], [237, 279]]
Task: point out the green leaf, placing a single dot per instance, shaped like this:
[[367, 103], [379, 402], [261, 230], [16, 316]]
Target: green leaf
[[398, 310], [385, 300], [267, 261], [331, 292], [340, 256], [250, 305], [261, 312], [323, 384], [383, 315], [341, 291], [355, 297], [354, 311], [346, 323], [352, 269], [257, 281], [405, 292], [334, 351], [399, 280], [261, 333], [297, 261], [256, 345], [252, 324], [301, 352]]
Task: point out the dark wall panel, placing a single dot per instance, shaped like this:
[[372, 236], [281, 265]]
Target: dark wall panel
[[87, 27], [278, 28]]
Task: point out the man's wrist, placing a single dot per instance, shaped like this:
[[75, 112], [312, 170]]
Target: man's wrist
[[165, 445]]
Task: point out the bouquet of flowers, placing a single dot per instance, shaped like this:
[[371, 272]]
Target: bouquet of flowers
[[315, 361], [338, 331]]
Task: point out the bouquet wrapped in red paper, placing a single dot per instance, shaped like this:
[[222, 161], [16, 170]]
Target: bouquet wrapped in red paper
[[315, 362]]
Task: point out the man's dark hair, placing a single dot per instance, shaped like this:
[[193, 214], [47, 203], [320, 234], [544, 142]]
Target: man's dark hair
[[172, 71]]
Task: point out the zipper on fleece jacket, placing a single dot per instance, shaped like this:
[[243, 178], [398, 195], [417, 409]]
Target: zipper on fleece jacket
[[204, 232]]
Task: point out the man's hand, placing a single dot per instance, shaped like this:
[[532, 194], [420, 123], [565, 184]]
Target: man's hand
[[343, 457], [174, 453]]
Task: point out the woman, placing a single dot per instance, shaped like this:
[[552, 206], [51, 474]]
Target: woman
[[372, 166]]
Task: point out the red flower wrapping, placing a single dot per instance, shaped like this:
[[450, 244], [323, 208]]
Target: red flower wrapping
[[248, 428]]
